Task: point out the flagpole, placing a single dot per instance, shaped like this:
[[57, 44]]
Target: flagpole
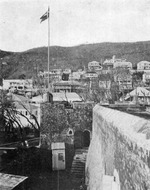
[[48, 45]]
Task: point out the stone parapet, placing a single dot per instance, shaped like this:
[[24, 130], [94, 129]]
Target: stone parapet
[[120, 143]]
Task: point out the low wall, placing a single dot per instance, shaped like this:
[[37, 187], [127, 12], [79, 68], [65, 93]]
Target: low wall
[[120, 142]]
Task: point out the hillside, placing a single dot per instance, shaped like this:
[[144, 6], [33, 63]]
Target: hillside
[[33, 60]]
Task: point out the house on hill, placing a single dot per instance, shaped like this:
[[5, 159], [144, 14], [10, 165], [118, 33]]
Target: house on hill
[[67, 86], [146, 78], [113, 63], [19, 84], [94, 66], [143, 66], [122, 64], [91, 74]]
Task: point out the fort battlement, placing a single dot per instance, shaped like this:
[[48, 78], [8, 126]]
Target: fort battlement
[[120, 142]]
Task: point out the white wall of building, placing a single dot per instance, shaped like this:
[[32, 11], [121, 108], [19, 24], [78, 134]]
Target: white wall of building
[[123, 64], [94, 65], [143, 65], [7, 83]]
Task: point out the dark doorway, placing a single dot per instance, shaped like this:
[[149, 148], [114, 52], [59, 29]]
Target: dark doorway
[[86, 138], [78, 139]]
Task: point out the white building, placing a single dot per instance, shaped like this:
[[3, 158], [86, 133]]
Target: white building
[[76, 75], [67, 71], [27, 110], [17, 83], [143, 66], [67, 86], [94, 66], [124, 82], [115, 63], [55, 74], [146, 77], [122, 64], [91, 74], [108, 63], [23, 106]]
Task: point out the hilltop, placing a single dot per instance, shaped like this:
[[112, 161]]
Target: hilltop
[[33, 60]]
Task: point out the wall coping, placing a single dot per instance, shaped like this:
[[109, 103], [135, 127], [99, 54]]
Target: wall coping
[[133, 128]]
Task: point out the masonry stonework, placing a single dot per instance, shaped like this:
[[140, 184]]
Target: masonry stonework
[[118, 143]]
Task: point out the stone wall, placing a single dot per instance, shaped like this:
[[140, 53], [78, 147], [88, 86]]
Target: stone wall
[[120, 142]]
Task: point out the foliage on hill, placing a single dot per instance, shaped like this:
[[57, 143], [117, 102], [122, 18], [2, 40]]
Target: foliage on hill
[[31, 61]]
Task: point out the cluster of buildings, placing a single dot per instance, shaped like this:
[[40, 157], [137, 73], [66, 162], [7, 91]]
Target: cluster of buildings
[[122, 71], [66, 82], [73, 81]]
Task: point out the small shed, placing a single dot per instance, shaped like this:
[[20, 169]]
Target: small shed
[[58, 156]]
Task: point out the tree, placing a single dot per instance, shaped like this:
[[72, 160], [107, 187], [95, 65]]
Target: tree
[[123, 78], [22, 76], [10, 119], [55, 118], [105, 88], [105, 84], [137, 79]]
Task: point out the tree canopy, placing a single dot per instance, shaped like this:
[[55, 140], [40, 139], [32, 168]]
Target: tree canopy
[[10, 119], [55, 118]]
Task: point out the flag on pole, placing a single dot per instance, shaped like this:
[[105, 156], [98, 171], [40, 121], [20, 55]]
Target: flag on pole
[[45, 16]]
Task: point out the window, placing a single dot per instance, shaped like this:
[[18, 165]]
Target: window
[[70, 132], [60, 157], [20, 87]]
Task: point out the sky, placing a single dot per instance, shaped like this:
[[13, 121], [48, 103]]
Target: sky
[[72, 22]]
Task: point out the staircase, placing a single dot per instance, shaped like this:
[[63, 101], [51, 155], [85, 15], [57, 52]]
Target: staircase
[[78, 164]]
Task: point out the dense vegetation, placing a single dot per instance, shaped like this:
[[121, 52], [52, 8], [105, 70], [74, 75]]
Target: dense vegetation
[[31, 61], [55, 118]]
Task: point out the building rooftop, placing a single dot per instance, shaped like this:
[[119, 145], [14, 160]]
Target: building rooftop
[[63, 83]]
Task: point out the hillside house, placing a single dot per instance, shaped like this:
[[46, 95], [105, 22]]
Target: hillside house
[[26, 110], [67, 71], [113, 63], [76, 75], [67, 86], [94, 66], [122, 64], [146, 78], [124, 81], [54, 74], [143, 66], [108, 63], [91, 74], [19, 84]]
